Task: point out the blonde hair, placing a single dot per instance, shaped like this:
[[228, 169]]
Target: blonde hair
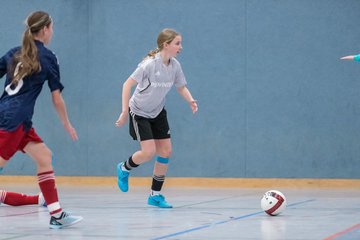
[[26, 61], [165, 36]]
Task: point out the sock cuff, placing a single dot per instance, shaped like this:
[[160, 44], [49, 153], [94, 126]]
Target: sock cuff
[[46, 176], [129, 164], [43, 173], [132, 163], [159, 178]]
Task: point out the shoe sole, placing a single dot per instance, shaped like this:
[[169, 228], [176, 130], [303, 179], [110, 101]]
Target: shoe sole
[[156, 205], [67, 225]]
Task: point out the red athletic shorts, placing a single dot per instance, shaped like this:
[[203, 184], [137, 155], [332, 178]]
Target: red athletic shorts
[[11, 142]]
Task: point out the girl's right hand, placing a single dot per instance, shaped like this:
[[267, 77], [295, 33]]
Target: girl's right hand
[[122, 119], [72, 132]]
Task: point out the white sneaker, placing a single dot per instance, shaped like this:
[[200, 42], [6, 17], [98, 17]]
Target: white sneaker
[[64, 220], [41, 201]]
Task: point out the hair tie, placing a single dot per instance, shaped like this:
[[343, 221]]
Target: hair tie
[[27, 30]]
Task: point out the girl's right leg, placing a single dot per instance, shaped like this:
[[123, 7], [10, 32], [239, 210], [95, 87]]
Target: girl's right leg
[[42, 155], [147, 152]]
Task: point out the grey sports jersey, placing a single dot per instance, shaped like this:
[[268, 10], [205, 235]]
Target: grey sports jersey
[[155, 79]]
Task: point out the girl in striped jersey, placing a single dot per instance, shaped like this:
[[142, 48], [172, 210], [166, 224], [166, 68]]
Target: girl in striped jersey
[[27, 68]]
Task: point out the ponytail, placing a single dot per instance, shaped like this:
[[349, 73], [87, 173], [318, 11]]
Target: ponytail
[[26, 61], [152, 53]]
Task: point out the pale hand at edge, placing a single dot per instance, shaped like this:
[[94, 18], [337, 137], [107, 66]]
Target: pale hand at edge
[[194, 106], [351, 57], [121, 120], [72, 132]]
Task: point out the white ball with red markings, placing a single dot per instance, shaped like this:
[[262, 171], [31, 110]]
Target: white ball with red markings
[[273, 202]]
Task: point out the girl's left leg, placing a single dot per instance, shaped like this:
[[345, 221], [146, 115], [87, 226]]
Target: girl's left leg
[[19, 199], [163, 150]]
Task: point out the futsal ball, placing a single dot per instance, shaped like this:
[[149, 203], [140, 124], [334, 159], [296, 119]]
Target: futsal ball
[[273, 202]]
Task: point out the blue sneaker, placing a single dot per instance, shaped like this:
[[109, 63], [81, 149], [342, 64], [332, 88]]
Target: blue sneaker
[[123, 178], [158, 201], [64, 220]]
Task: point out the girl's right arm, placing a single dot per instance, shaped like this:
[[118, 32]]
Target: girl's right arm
[[126, 92]]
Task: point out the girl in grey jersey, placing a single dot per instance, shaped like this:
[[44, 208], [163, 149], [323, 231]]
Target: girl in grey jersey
[[153, 79]]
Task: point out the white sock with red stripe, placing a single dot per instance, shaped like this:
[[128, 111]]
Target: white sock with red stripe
[[48, 188]]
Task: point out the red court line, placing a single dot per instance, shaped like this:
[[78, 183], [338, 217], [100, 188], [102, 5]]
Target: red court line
[[332, 237]]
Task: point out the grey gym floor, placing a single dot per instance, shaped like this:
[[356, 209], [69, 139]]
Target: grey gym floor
[[198, 213]]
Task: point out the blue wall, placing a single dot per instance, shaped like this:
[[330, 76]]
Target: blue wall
[[274, 99]]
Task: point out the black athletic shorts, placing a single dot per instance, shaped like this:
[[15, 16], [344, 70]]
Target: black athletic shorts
[[142, 128]]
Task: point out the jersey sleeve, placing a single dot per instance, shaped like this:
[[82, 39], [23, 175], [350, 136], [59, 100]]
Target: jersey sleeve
[[180, 80], [54, 74], [139, 74], [3, 66], [357, 58], [6, 60]]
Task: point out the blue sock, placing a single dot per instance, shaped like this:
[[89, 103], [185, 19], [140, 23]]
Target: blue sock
[[1, 169]]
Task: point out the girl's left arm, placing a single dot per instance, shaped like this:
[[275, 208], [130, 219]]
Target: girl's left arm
[[352, 57], [3, 69], [60, 107], [185, 93]]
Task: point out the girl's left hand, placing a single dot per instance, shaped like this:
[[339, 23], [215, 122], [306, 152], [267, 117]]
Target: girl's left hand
[[194, 106], [351, 57]]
